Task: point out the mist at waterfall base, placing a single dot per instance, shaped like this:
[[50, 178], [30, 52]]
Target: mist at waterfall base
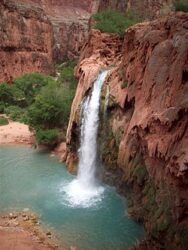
[[32, 179], [81, 211], [85, 191]]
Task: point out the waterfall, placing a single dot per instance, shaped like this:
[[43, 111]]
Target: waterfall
[[85, 190], [106, 100]]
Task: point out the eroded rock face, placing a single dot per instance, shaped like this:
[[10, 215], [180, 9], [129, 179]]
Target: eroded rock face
[[69, 20], [120, 5], [150, 9], [155, 69], [144, 137], [35, 34], [101, 51], [25, 40]]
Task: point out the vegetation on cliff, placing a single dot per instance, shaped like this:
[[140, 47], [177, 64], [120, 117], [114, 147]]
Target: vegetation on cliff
[[181, 5], [111, 21]]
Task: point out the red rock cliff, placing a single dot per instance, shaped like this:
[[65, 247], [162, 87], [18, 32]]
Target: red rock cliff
[[25, 40], [144, 141], [35, 33]]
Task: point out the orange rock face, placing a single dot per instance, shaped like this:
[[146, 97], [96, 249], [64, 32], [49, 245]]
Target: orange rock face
[[155, 68], [34, 34], [25, 41], [69, 20], [144, 142], [101, 51]]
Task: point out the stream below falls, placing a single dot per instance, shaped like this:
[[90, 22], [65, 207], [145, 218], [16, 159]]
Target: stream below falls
[[32, 179]]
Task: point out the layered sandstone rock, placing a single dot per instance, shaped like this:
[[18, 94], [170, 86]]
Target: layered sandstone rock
[[69, 21], [144, 136], [35, 34], [25, 40], [70, 26]]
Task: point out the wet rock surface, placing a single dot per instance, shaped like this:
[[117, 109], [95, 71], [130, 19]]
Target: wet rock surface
[[143, 138]]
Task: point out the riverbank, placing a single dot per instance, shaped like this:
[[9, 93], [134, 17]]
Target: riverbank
[[15, 133], [22, 231]]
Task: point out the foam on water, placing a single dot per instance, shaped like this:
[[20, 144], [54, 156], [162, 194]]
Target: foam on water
[[77, 195]]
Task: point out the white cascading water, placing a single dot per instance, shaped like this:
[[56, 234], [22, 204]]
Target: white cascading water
[[106, 100], [84, 190]]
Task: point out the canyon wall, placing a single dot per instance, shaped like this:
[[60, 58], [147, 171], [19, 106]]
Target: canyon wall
[[35, 34], [143, 136], [69, 20], [26, 39]]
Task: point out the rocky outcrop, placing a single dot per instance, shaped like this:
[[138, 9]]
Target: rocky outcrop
[[26, 39], [143, 138]]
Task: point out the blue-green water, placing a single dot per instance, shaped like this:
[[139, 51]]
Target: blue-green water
[[32, 179]]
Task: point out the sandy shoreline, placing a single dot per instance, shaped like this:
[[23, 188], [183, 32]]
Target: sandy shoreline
[[15, 133], [22, 231]]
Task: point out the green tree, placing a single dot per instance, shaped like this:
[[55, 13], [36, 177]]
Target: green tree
[[6, 95], [51, 107], [26, 87]]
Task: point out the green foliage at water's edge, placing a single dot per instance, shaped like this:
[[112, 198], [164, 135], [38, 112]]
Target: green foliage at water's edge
[[41, 102]]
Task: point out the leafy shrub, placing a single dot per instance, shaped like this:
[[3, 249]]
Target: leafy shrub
[[26, 87], [111, 21], [2, 107], [3, 121], [67, 72], [51, 107], [181, 5], [40, 101], [16, 113], [48, 136], [6, 95]]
